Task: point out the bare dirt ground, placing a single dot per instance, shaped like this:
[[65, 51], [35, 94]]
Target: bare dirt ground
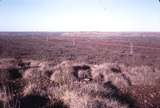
[[49, 67]]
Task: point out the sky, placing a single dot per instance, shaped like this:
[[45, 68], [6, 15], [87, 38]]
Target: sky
[[80, 15]]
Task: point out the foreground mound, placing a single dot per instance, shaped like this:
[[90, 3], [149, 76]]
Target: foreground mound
[[72, 84]]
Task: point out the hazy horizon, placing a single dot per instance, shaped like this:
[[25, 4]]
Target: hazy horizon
[[80, 15]]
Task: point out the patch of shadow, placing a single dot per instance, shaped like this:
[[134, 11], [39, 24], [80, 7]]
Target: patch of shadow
[[155, 106], [109, 91], [21, 63], [114, 89], [100, 78], [116, 69], [127, 99], [82, 72], [97, 104], [122, 98], [15, 87], [35, 101], [48, 73], [14, 73], [1, 104], [127, 79], [59, 104]]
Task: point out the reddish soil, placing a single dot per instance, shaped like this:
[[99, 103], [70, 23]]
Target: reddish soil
[[93, 49]]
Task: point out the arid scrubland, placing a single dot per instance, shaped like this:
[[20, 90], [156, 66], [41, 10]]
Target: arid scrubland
[[71, 84], [70, 70]]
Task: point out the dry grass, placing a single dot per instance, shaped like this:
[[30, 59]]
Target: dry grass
[[73, 84], [83, 99], [93, 73], [110, 72], [142, 75]]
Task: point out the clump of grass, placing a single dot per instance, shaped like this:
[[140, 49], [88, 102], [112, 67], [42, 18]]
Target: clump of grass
[[72, 84], [38, 70], [10, 74], [110, 72], [68, 72], [75, 99], [86, 95], [63, 73], [8, 98], [143, 75]]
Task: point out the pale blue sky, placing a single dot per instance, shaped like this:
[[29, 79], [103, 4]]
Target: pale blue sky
[[79, 15]]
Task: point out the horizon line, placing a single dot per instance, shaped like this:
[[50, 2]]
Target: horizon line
[[86, 31]]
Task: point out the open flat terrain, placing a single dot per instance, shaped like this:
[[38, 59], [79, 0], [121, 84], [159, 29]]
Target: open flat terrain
[[79, 70], [88, 47]]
